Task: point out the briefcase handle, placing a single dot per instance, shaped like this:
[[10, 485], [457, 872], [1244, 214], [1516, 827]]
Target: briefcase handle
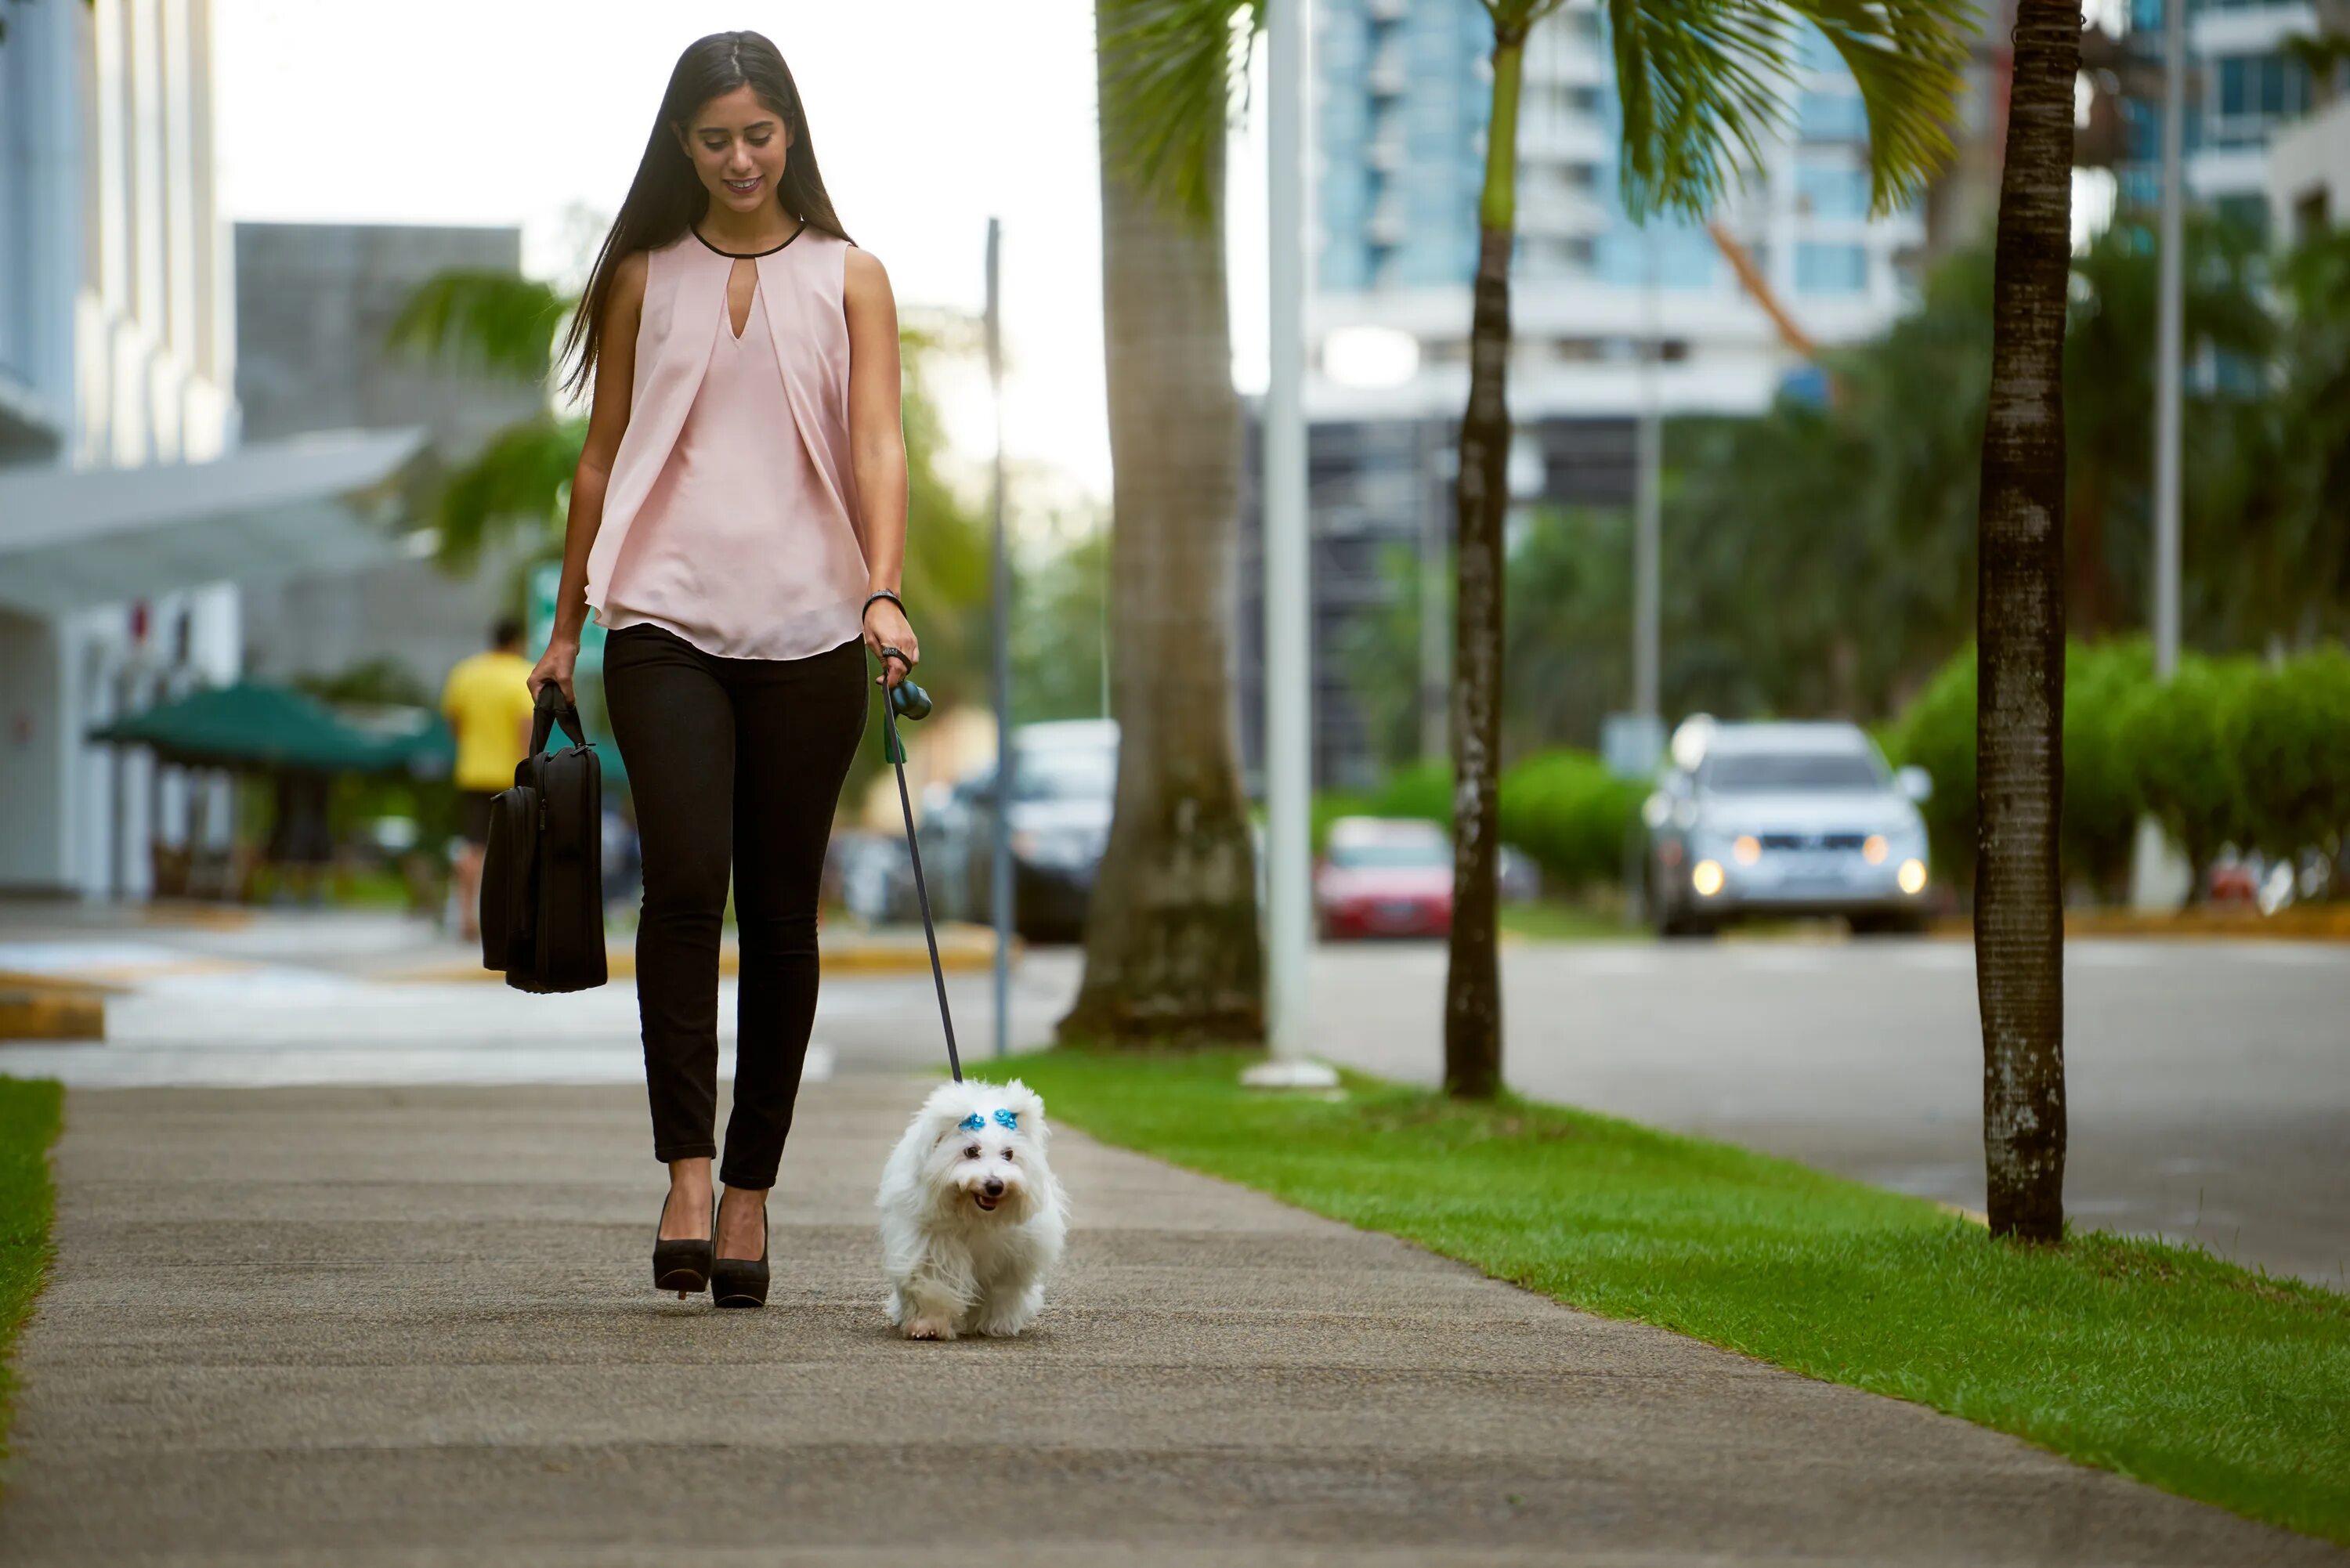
[[551, 708]]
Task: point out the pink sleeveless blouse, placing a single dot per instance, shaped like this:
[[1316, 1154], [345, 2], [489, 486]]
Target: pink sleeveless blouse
[[730, 516]]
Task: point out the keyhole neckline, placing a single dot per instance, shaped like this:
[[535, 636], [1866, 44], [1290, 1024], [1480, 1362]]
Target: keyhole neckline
[[749, 256]]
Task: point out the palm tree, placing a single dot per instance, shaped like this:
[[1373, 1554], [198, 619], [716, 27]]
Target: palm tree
[[1172, 945], [501, 326], [2019, 646], [1702, 84]]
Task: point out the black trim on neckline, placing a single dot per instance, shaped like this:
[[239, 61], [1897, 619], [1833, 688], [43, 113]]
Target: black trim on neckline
[[747, 255]]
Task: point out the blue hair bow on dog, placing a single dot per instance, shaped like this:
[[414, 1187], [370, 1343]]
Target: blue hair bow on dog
[[1008, 1121], [972, 1123]]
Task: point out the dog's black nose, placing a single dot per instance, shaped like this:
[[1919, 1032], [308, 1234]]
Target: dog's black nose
[[993, 1187]]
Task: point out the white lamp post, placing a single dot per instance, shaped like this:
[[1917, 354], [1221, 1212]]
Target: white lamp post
[[1288, 591]]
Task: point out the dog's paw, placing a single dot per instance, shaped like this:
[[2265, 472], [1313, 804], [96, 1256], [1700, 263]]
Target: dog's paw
[[929, 1328]]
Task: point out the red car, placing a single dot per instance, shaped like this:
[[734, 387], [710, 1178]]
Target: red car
[[1383, 877]]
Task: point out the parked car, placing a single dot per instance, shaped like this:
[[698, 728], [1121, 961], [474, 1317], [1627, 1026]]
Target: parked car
[[1384, 877], [874, 875], [1784, 819], [1065, 781]]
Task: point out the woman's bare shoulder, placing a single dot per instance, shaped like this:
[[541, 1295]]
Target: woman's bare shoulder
[[864, 273], [624, 295]]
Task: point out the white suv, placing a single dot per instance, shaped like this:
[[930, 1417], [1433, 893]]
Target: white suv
[[1784, 819]]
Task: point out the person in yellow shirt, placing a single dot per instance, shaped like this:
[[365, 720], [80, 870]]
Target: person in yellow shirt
[[487, 702]]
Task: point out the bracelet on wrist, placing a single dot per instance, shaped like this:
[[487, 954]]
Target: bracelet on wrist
[[883, 594]]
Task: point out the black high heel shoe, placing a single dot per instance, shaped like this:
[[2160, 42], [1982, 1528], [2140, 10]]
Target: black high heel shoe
[[740, 1282], [683, 1264]]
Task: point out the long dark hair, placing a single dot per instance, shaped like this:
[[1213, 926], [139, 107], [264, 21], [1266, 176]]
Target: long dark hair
[[667, 197]]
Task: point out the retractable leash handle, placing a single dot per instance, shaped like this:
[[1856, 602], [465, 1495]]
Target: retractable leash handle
[[915, 703]]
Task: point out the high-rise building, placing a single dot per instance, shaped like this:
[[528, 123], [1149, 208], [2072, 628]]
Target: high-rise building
[[1402, 89], [1401, 92], [2245, 84]]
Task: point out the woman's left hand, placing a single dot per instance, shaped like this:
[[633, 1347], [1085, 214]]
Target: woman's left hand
[[886, 626]]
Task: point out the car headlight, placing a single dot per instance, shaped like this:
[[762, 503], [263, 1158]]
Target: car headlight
[[1746, 849], [1705, 876], [1874, 849], [1912, 876]]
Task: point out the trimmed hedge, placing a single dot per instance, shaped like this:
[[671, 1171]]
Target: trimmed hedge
[[1570, 816], [1562, 808], [2292, 731], [2101, 781], [2182, 741], [2227, 752], [1938, 733]]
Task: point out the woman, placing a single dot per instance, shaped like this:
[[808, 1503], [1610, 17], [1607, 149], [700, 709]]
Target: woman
[[738, 520]]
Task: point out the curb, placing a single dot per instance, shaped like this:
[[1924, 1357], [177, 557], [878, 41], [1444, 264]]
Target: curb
[[47, 1007], [2311, 923], [962, 949]]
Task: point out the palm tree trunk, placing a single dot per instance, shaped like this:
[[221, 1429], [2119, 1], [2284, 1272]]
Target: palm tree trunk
[[1472, 985], [1171, 944], [2020, 615]]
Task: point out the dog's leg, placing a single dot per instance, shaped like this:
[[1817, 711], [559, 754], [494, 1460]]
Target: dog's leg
[[1005, 1316], [929, 1315], [935, 1295]]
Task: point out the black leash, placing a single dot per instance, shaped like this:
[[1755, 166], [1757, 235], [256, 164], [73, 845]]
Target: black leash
[[915, 703]]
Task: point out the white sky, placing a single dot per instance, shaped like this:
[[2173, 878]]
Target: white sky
[[929, 117]]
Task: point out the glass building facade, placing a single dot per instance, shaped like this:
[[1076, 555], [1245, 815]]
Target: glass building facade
[[2245, 84]]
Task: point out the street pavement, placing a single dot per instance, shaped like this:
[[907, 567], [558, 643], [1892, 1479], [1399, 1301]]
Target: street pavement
[[412, 1324], [2209, 1081]]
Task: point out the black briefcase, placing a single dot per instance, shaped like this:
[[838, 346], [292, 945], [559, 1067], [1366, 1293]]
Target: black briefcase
[[543, 873]]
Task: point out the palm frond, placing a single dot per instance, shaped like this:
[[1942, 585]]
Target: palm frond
[[1517, 16], [1905, 56], [1703, 85], [518, 481], [492, 321], [1169, 69], [1699, 81]]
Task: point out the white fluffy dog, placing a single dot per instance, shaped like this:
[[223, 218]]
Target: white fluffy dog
[[971, 1217]]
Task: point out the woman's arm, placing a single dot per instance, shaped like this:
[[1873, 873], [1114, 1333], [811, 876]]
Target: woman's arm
[[877, 440], [608, 418]]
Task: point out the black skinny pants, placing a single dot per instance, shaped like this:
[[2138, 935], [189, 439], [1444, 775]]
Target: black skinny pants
[[740, 760]]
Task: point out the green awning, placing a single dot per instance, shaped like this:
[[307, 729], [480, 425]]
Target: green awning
[[254, 726]]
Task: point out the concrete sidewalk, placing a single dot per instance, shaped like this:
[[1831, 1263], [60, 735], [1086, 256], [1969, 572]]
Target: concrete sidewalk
[[411, 1326]]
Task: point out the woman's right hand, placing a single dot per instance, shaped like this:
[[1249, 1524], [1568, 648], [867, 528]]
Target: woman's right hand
[[555, 664]]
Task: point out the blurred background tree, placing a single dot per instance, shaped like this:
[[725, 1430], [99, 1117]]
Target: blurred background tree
[[1819, 559], [1059, 638]]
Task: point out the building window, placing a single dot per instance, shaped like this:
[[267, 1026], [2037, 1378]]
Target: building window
[[2254, 90], [1831, 269], [1814, 53], [1828, 191], [1832, 117]]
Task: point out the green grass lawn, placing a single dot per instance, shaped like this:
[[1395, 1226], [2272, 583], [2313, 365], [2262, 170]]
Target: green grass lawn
[[1553, 920], [2156, 1361], [30, 1112]]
